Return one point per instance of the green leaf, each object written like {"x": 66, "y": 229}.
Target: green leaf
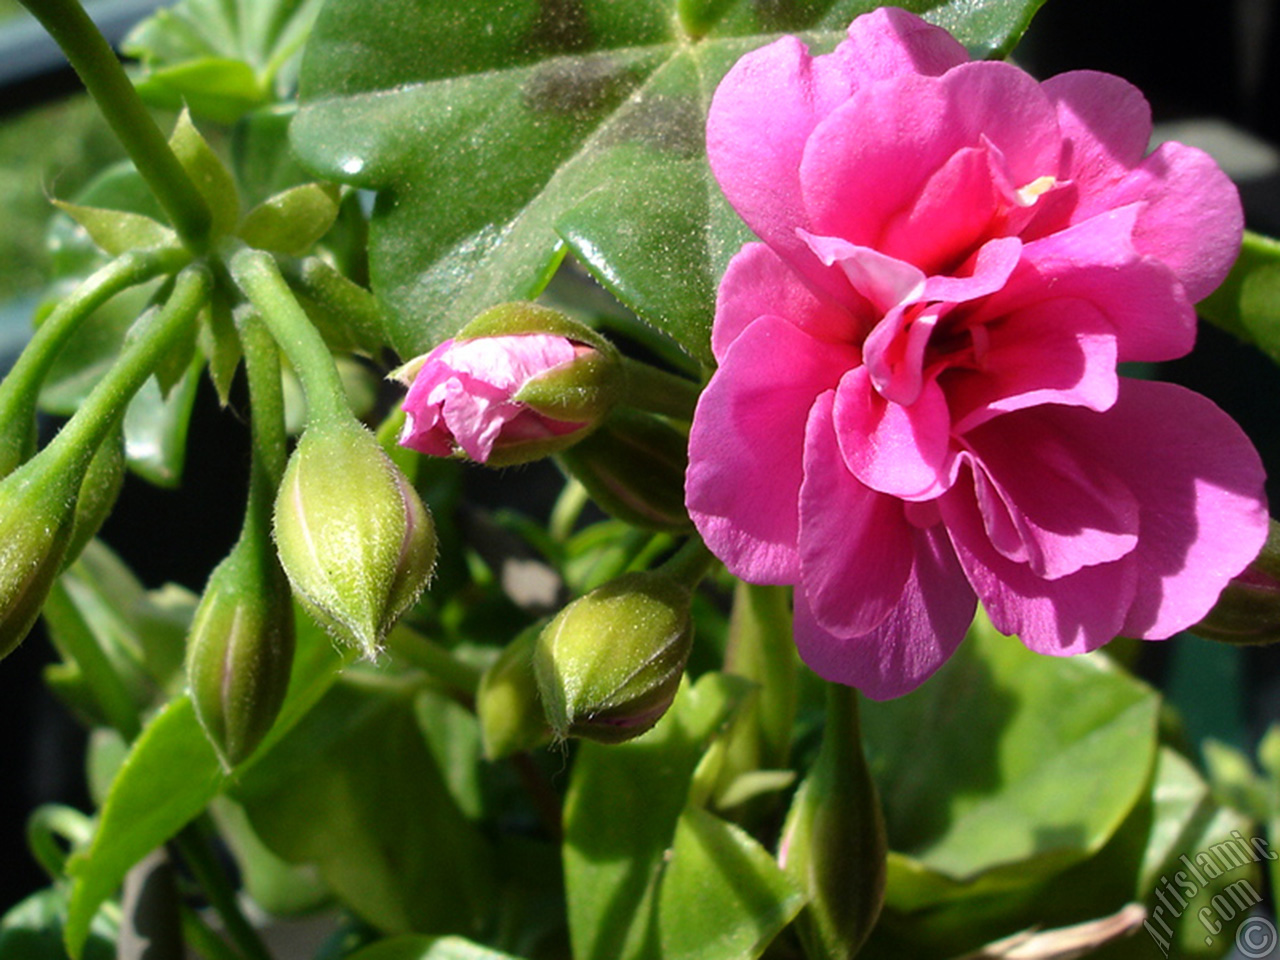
{"x": 208, "y": 173}
{"x": 620, "y": 816}
{"x": 32, "y": 930}
{"x": 156, "y": 426}
{"x": 216, "y": 88}
{"x": 281, "y": 889}
{"x": 496, "y": 134}
{"x": 985, "y": 777}
{"x": 1247, "y": 304}
{"x": 170, "y": 775}
{"x": 221, "y": 58}
{"x": 117, "y": 231}
{"x": 428, "y": 948}
{"x": 354, "y": 791}
{"x": 723, "y": 896}
{"x": 292, "y": 221}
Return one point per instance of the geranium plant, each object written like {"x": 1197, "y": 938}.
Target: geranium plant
{"x": 811, "y": 314}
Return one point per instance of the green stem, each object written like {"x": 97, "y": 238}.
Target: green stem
{"x": 439, "y": 662}
{"x": 76, "y": 443}
{"x": 123, "y": 109}
{"x": 657, "y": 391}
{"x": 207, "y": 872}
{"x": 568, "y": 507}
{"x": 203, "y": 941}
{"x": 692, "y": 562}
{"x": 269, "y": 442}
{"x": 21, "y": 387}
{"x": 258, "y": 276}
{"x": 50, "y": 824}
{"x": 318, "y": 280}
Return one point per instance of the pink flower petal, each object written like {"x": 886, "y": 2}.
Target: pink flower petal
{"x": 1096, "y": 261}
{"x": 889, "y": 42}
{"x": 1074, "y": 614}
{"x": 1106, "y": 123}
{"x": 759, "y": 283}
{"x": 1200, "y": 486}
{"x": 848, "y": 534}
{"x": 902, "y": 451}
{"x": 746, "y": 446}
{"x": 1190, "y": 219}
{"x": 952, "y": 215}
{"x": 1046, "y": 502}
{"x": 872, "y": 157}
{"x": 923, "y": 629}
{"x": 1057, "y": 351}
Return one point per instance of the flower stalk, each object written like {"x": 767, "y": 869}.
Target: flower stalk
{"x": 20, "y": 388}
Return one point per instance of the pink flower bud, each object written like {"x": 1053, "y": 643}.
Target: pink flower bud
{"x": 519, "y": 382}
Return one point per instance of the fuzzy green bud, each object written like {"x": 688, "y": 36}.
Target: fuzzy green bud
{"x": 1248, "y": 611}
{"x": 507, "y": 704}
{"x": 37, "y": 514}
{"x": 353, "y": 536}
{"x": 240, "y": 650}
{"x": 633, "y": 466}
{"x": 833, "y": 842}
{"x": 609, "y": 664}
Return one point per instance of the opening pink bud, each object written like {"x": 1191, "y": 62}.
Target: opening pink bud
{"x": 466, "y": 395}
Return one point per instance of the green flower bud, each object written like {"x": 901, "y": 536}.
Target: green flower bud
{"x": 353, "y": 536}
{"x": 1248, "y": 611}
{"x": 833, "y": 841}
{"x": 240, "y": 650}
{"x": 633, "y": 466}
{"x": 37, "y": 514}
{"x": 609, "y": 664}
{"x": 507, "y": 705}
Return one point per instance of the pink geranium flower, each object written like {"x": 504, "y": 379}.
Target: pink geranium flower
{"x": 917, "y": 403}
{"x": 464, "y": 395}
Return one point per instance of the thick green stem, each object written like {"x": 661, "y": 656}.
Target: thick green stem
{"x": 21, "y": 387}
{"x": 120, "y": 104}
{"x": 76, "y": 443}
{"x": 438, "y": 662}
{"x": 657, "y": 391}
{"x": 193, "y": 847}
{"x": 258, "y": 276}
{"x": 690, "y": 564}
{"x": 266, "y": 398}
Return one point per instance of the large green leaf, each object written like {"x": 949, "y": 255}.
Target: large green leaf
{"x": 723, "y": 896}
{"x": 355, "y": 791}
{"x": 1006, "y": 767}
{"x": 496, "y": 134}
{"x": 624, "y": 804}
